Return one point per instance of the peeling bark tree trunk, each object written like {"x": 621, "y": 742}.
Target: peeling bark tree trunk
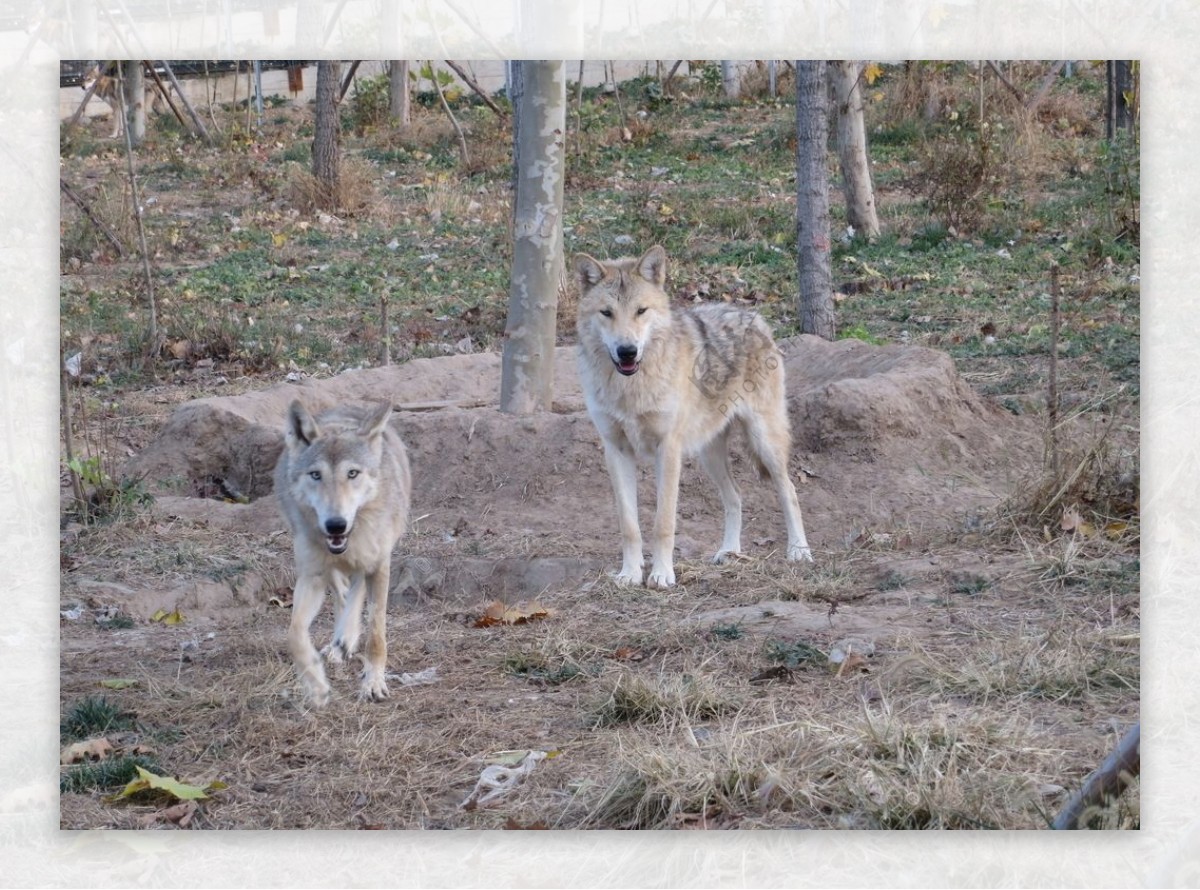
{"x": 812, "y": 201}
{"x": 527, "y": 366}
{"x": 852, "y": 149}
{"x": 398, "y": 98}
{"x": 325, "y": 150}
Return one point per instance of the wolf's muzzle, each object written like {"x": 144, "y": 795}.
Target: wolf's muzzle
{"x": 627, "y": 359}
{"x": 337, "y": 534}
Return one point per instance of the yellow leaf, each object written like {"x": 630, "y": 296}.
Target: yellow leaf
{"x": 872, "y": 73}
{"x": 1115, "y": 529}
{"x": 149, "y": 781}
{"x": 278, "y": 239}
{"x": 117, "y": 683}
{"x": 166, "y": 617}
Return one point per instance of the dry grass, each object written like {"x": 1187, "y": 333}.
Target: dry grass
{"x": 982, "y": 724}
{"x": 352, "y": 194}
{"x": 109, "y": 200}
{"x": 1092, "y": 478}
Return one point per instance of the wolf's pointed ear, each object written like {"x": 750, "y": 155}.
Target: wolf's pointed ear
{"x": 376, "y": 422}
{"x": 653, "y": 265}
{"x": 301, "y": 426}
{"x": 588, "y": 271}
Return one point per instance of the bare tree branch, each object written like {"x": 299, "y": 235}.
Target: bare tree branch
{"x": 348, "y": 79}
{"x": 1004, "y": 80}
{"x": 186, "y": 104}
{"x": 462, "y": 140}
{"x": 100, "y": 225}
{"x": 1044, "y": 89}
{"x": 475, "y": 87}
{"x": 1109, "y": 780}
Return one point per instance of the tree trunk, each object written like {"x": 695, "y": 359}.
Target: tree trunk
{"x": 527, "y": 366}
{"x": 1119, "y": 112}
{"x": 135, "y": 101}
{"x": 852, "y": 149}
{"x": 812, "y": 201}
{"x": 325, "y": 150}
{"x": 516, "y": 90}
{"x": 398, "y": 96}
{"x": 729, "y": 79}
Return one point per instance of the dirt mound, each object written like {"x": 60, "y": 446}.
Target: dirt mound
{"x": 884, "y": 435}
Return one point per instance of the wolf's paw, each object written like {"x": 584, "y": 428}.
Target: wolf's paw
{"x": 661, "y": 577}
{"x": 727, "y": 556}
{"x": 373, "y": 688}
{"x": 628, "y": 576}
{"x": 799, "y": 553}
{"x": 316, "y": 691}
{"x": 337, "y": 652}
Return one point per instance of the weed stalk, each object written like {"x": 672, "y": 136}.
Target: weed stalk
{"x": 1052, "y": 395}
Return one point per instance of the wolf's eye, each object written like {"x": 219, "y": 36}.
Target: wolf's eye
{"x": 641, "y": 309}
{"x": 315, "y": 475}
{"x": 607, "y": 313}
{"x": 351, "y": 474}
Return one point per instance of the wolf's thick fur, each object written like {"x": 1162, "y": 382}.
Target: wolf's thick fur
{"x": 663, "y": 384}
{"x": 343, "y": 484}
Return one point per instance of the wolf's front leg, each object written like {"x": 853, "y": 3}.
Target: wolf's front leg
{"x": 374, "y": 686}
{"x": 306, "y": 603}
{"x": 662, "y": 551}
{"x": 622, "y": 471}
{"x": 347, "y": 610}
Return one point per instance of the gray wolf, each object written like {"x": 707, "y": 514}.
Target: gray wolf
{"x": 343, "y": 485}
{"x": 106, "y": 89}
{"x": 662, "y": 384}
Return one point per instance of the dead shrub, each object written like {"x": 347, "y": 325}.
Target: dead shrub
{"x": 1096, "y": 478}
{"x": 352, "y": 194}
{"x": 963, "y": 172}
{"x": 109, "y": 202}
{"x": 636, "y": 699}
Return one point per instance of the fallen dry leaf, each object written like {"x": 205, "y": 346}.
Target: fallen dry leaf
{"x": 520, "y": 613}
{"x": 91, "y": 749}
{"x": 180, "y": 814}
{"x": 853, "y": 664}
{"x": 1073, "y": 522}
{"x": 629, "y": 653}
{"x": 779, "y": 672}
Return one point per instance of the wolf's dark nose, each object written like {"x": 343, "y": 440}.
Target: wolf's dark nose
{"x": 626, "y": 353}
{"x": 335, "y": 525}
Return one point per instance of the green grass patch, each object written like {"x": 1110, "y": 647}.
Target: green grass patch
{"x": 92, "y": 716}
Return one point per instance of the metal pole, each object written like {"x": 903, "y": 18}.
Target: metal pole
{"x": 258, "y": 97}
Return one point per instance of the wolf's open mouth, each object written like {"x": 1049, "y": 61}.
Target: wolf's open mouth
{"x": 629, "y": 367}
{"x": 337, "y": 543}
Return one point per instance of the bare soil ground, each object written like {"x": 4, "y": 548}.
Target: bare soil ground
{"x": 987, "y": 685}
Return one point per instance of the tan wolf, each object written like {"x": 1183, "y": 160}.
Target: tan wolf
{"x": 343, "y": 484}
{"x": 106, "y": 89}
{"x": 662, "y": 384}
